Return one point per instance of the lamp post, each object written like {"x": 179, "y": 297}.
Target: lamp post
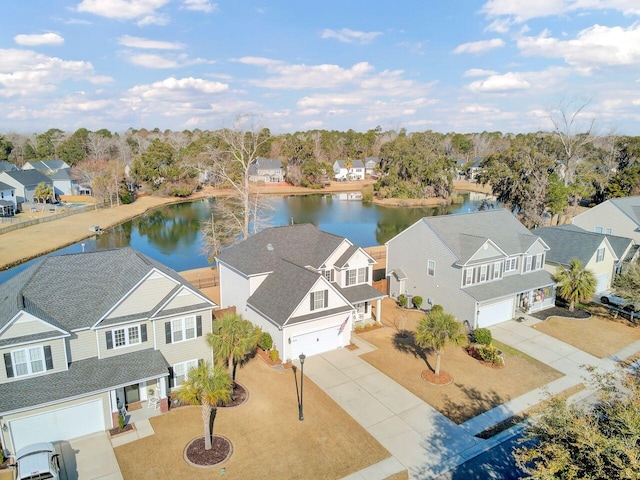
{"x": 302, "y": 357}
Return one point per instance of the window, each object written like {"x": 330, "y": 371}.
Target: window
{"x": 319, "y": 299}
{"x": 511, "y": 264}
{"x": 528, "y": 263}
{"x": 328, "y": 274}
{"x": 539, "y": 262}
{"x": 126, "y": 336}
{"x": 183, "y": 329}
{"x": 497, "y": 273}
{"x": 357, "y": 275}
{"x": 28, "y": 361}
{"x": 431, "y": 268}
{"x": 600, "y": 255}
{"x": 607, "y": 231}
{"x": 598, "y": 229}
{"x": 181, "y": 370}
{"x": 483, "y": 273}
{"x": 468, "y": 276}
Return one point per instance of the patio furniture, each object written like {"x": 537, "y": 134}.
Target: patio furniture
{"x": 154, "y": 402}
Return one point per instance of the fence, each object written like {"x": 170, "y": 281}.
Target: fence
{"x": 8, "y": 224}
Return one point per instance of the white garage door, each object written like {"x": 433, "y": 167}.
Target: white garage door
{"x": 316, "y": 342}
{"x": 602, "y": 282}
{"x": 494, "y": 313}
{"x": 56, "y": 425}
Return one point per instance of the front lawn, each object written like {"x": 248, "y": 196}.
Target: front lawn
{"x": 476, "y": 388}
{"x": 599, "y": 335}
{"x": 268, "y": 439}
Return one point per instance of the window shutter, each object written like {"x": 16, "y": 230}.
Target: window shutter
{"x": 167, "y": 332}
{"x": 172, "y": 378}
{"x": 143, "y": 332}
{"x": 326, "y": 298}
{"x": 198, "y": 325}
{"x": 48, "y": 359}
{"x": 311, "y": 295}
{"x": 109, "y": 338}
{"x": 366, "y": 275}
{"x": 8, "y": 365}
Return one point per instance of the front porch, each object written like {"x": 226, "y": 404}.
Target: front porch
{"x": 139, "y": 401}
{"x": 536, "y": 299}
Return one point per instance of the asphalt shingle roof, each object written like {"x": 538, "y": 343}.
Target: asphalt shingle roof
{"x": 464, "y": 233}
{"x": 29, "y": 178}
{"x": 4, "y": 186}
{"x": 6, "y": 166}
{"x": 510, "y": 285}
{"x": 83, "y": 377}
{"x": 567, "y": 244}
{"x": 619, "y": 244}
{"x": 360, "y": 293}
{"x": 302, "y": 244}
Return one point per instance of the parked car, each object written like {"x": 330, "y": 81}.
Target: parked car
{"x": 609, "y": 298}
{"x": 37, "y": 462}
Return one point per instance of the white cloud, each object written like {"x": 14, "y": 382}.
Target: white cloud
{"x": 520, "y": 11}
{"x": 313, "y": 124}
{"x": 24, "y": 72}
{"x": 593, "y": 47}
{"x": 200, "y": 6}
{"x": 475, "y": 108}
{"x": 298, "y": 77}
{"x": 146, "y": 43}
{"x": 258, "y": 61}
{"x": 500, "y": 83}
{"x": 149, "y": 60}
{"x": 478, "y": 72}
{"x": 35, "y": 40}
{"x": 479, "y": 46}
{"x": 346, "y": 35}
{"x": 144, "y": 11}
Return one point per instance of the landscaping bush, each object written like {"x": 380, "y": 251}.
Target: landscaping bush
{"x": 266, "y": 342}
{"x": 437, "y": 309}
{"x": 274, "y": 355}
{"x": 483, "y": 336}
{"x": 417, "y": 301}
{"x": 490, "y": 354}
{"x": 120, "y": 421}
{"x": 402, "y": 301}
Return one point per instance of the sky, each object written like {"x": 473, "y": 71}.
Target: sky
{"x": 444, "y": 65}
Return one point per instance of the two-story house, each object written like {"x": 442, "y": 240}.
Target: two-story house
{"x": 84, "y": 335}
{"x": 267, "y": 170}
{"x": 344, "y": 170}
{"x": 8, "y": 201}
{"x": 24, "y": 182}
{"x": 616, "y": 216}
{"x": 481, "y": 267}
{"x": 306, "y": 287}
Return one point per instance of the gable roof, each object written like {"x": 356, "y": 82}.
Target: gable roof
{"x": 62, "y": 174}
{"x": 7, "y": 166}
{"x": 302, "y": 244}
{"x": 76, "y": 290}
{"x": 465, "y": 233}
{"x": 619, "y": 244}
{"x": 354, "y": 163}
{"x": 629, "y": 206}
{"x": 4, "y": 186}
{"x": 567, "y": 244}
{"x": 49, "y": 166}
{"x": 268, "y": 163}
{"x": 28, "y": 178}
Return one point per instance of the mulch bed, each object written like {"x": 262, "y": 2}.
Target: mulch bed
{"x": 472, "y": 352}
{"x": 431, "y": 378}
{"x": 238, "y": 397}
{"x": 196, "y": 455}
{"x": 116, "y": 431}
{"x": 264, "y": 355}
{"x": 556, "y": 311}
{"x": 351, "y": 346}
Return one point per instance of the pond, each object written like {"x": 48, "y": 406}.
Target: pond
{"x": 171, "y": 234}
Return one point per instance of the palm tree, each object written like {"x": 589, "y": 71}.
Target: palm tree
{"x": 232, "y": 339}
{"x": 438, "y": 329}
{"x": 206, "y": 385}
{"x": 43, "y": 191}
{"x": 576, "y": 283}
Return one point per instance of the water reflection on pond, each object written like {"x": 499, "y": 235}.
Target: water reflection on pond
{"x": 171, "y": 235}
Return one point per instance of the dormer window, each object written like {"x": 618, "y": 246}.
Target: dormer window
{"x": 356, "y": 276}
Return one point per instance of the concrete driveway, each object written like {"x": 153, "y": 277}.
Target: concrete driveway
{"x": 87, "y": 458}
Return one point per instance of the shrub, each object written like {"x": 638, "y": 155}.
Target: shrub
{"x": 437, "y": 309}
{"x": 483, "y": 336}
{"x": 367, "y": 194}
{"x": 266, "y": 342}
{"x": 274, "y": 355}
{"x": 402, "y": 301}
{"x": 417, "y": 301}
{"x": 490, "y": 354}
{"x": 120, "y": 421}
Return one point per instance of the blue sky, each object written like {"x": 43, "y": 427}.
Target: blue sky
{"x": 463, "y": 66}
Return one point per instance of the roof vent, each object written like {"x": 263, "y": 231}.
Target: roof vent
{"x": 269, "y": 247}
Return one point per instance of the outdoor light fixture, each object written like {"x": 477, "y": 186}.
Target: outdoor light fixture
{"x": 300, "y": 413}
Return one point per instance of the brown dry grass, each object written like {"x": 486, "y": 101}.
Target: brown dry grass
{"x": 476, "y": 388}
{"x": 268, "y": 439}
{"x": 600, "y": 336}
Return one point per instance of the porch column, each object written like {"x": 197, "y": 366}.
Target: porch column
{"x": 379, "y": 310}
{"x": 164, "y": 401}
{"x": 114, "y": 408}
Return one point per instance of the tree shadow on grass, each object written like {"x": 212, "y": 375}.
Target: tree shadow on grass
{"x": 472, "y": 403}
{"x": 404, "y": 342}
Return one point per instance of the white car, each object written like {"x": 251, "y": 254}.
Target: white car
{"x": 37, "y": 462}
{"x": 609, "y": 298}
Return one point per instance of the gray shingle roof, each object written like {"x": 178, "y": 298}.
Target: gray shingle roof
{"x": 33, "y": 338}
{"x": 84, "y": 377}
{"x": 360, "y": 293}
{"x": 316, "y": 315}
{"x": 29, "y": 178}
{"x": 510, "y": 285}
{"x": 567, "y": 244}
{"x": 619, "y": 244}
{"x": 354, "y": 163}
{"x": 301, "y": 244}
{"x": 346, "y": 256}
{"x": 74, "y": 291}
{"x": 268, "y": 163}
{"x": 49, "y": 166}
{"x": 62, "y": 174}
{"x": 281, "y": 292}
{"x": 4, "y": 186}
{"x": 6, "y": 166}
{"x": 464, "y": 233}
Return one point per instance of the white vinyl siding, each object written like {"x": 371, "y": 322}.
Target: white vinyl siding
{"x": 181, "y": 370}
{"x": 511, "y": 264}
{"x": 431, "y": 268}
{"x": 482, "y": 274}
{"x": 183, "y": 329}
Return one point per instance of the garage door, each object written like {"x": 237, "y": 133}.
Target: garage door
{"x": 56, "y": 425}
{"x": 316, "y": 342}
{"x": 494, "y": 313}
{"x": 602, "y": 282}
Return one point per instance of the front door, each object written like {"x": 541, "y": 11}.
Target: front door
{"x": 132, "y": 393}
